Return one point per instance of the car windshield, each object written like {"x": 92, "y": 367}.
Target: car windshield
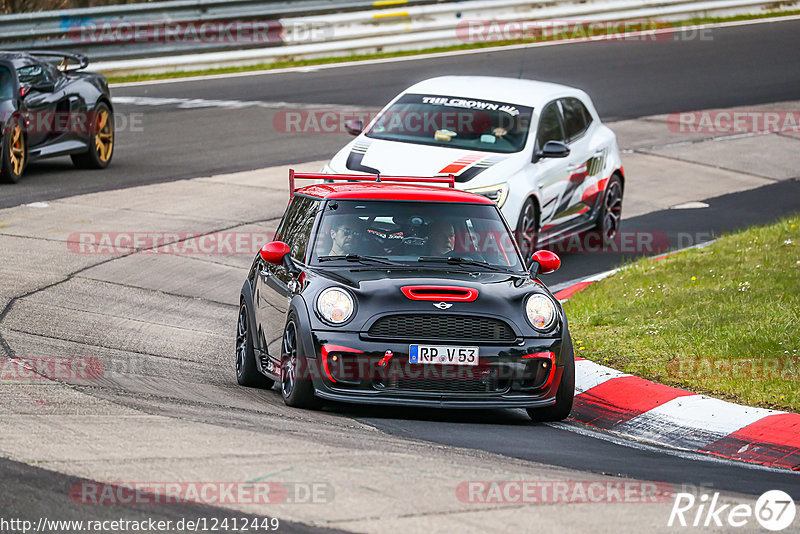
{"x": 463, "y": 123}
{"x": 470, "y": 236}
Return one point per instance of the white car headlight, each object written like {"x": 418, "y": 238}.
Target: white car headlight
{"x": 541, "y": 311}
{"x": 335, "y": 305}
{"x": 498, "y": 193}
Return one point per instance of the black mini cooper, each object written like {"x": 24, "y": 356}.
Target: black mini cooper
{"x": 390, "y": 291}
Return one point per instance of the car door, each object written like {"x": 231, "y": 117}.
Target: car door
{"x": 40, "y": 101}
{"x": 275, "y": 287}
{"x": 570, "y": 209}
{"x": 551, "y": 173}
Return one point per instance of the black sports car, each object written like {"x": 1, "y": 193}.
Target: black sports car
{"x": 384, "y": 292}
{"x": 49, "y": 110}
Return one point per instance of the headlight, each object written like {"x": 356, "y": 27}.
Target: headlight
{"x": 497, "y": 193}
{"x": 335, "y": 305}
{"x": 541, "y": 311}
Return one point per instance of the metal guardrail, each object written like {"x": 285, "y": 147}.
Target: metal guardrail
{"x": 66, "y": 29}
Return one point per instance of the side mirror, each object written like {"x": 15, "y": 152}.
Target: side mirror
{"x": 544, "y": 262}
{"x": 274, "y": 252}
{"x": 552, "y": 149}
{"x": 279, "y": 253}
{"x": 354, "y": 126}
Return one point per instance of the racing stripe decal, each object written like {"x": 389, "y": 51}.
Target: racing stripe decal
{"x": 479, "y": 164}
{"x": 357, "y": 155}
{"x": 460, "y": 164}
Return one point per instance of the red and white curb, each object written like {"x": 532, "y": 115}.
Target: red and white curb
{"x": 627, "y": 405}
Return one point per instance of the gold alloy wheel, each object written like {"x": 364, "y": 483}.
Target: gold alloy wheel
{"x": 104, "y": 138}
{"x": 17, "y": 150}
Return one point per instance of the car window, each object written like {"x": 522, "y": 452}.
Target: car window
{"x": 33, "y": 74}
{"x": 6, "y": 84}
{"x": 576, "y": 117}
{"x": 454, "y": 122}
{"x": 295, "y": 228}
{"x": 550, "y": 125}
{"x": 404, "y": 231}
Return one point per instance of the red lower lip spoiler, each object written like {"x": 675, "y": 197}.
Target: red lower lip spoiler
{"x": 550, "y": 357}
{"x": 327, "y": 349}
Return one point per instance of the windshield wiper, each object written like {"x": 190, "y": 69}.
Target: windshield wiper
{"x": 457, "y": 260}
{"x": 357, "y": 258}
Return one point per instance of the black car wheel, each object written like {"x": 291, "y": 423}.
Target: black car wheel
{"x": 15, "y": 154}
{"x": 296, "y": 385}
{"x": 565, "y": 394}
{"x": 246, "y": 372}
{"x": 610, "y": 217}
{"x": 101, "y": 141}
{"x": 528, "y": 228}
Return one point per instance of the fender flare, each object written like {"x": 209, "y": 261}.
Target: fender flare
{"x": 300, "y": 309}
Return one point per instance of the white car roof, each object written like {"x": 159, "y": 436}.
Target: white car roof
{"x": 530, "y": 93}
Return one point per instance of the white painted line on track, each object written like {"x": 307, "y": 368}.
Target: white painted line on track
{"x": 196, "y": 103}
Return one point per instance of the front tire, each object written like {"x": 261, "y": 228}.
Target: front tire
{"x": 297, "y": 388}
{"x": 610, "y": 217}
{"x": 528, "y": 228}
{"x": 101, "y": 141}
{"x": 247, "y": 374}
{"x": 15, "y": 154}
{"x": 565, "y": 394}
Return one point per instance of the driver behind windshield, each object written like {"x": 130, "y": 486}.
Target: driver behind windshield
{"x": 441, "y": 238}
{"x": 345, "y": 234}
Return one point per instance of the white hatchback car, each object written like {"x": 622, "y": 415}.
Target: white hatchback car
{"x": 537, "y": 149}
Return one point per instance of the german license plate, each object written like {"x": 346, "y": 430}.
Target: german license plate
{"x": 443, "y": 355}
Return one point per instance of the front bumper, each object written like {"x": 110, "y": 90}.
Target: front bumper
{"x": 349, "y": 368}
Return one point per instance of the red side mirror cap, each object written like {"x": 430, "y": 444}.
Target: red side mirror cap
{"x": 549, "y": 262}
{"x": 274, "y": 252}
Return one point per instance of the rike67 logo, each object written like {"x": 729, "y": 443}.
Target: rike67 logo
{"x": 774, "y": 510}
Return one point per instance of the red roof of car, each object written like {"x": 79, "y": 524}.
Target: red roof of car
{"x": 390, "y": 191}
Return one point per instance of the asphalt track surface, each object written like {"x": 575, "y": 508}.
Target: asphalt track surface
{"x": 29, "y": 493}
{"x": 626, "y": 80}
{"x": 738, "y": 66}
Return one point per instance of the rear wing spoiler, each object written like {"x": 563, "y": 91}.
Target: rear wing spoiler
{"x": 81, "y": 60}
{"x": 376, "y": 178}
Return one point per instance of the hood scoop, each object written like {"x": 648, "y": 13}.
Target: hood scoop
{"x": 440, "y": 293}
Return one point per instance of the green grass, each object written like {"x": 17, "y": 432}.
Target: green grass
{"x": 383, "y": 55}
{"x": 722, "y": 320}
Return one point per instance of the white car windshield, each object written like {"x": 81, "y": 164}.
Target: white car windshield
{"x": 472, "y": 124}
{"x": 416, "y": 233}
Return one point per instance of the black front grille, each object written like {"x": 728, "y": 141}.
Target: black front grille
{"x": 437, "y": 379}
{"x": 442, "y": 327}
